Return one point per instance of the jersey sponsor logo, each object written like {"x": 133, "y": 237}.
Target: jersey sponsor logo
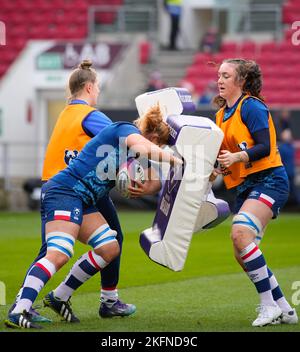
{"x": 225, "y": 171}
{"x": 62, "y": 215}
{"x": 70, "y": 155}
{"x": 266, "y": 199}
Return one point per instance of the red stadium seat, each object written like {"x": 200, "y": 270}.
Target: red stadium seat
{"x": 202, "y": 58}
{"x": 107, "y": 17}
{"x": 3, "y": 68}
{"x": 248, "y": 48}
{"x": 219, "y": 57}
{"x": 290, "y": 14}
{"x": 279, "y": 62}
{"x": 7, "y": 5}
{"x": 268, "y": 47}
{"x": 7, "y": 56}
{"x": 25, "y": 5}
{"x": 229, "y": 47}
{"x": 287, "y": 47}
{"x": 46, "y": 19}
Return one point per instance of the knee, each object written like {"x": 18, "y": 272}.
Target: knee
{"x": 59, "y": 248}
{"x": 57, "y": 258}
{"x": 245, "y": 229}
{"x": 104, "y": 242}
{"x": 237, "y": 235}
{"x": 109, "y": 251}
{"x": 114, "y": 251}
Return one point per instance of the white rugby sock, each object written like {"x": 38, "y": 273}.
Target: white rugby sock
{"x": 109, "y": 296}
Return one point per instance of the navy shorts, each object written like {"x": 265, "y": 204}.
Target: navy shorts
{"x": 269, "y": 186}
{"x": 60, "y": 203}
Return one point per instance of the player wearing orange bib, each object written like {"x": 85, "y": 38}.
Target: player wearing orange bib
{"x": 250, "y": 162}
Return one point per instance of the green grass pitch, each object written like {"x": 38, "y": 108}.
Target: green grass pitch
{"x": 209, "y": 294}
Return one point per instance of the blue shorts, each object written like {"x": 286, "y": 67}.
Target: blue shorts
{"x": 269, "y": 186}
{"x": 61, "y": 203}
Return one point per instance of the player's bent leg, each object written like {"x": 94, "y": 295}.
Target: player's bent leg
{"x": 37, "y": 277}
{"x": 111, "y": 308}
{"x": 246, "y": 228}
{"x": 36, "y": 317}
{"x": 62, "y": 243}
{"x": 59, "y": 250}
{"x": 105, "y": 248}
{"x": 111, "y": 305}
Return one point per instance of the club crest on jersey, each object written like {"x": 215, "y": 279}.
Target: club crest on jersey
{"x": 76, "y": 212}
{"x": 70, "y": 155}
{"x": 242, "y": 146}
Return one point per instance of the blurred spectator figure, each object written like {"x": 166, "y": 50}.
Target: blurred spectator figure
{"x": 210, "y": 42}
{"x": 284, "y": 120}
{"x": 174, "y": 9}
{"x": 287, "y": 153}
{"x": 156, "y": 82}
{"x": 208, "y": 94}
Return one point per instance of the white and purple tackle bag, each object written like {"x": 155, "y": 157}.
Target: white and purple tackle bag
{"x": 187, "y": 204}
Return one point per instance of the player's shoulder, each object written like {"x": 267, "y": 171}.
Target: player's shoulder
{"x": 252, "y": 103}
{"x": 99, "y": 114}
{"x": 119, "y": 128}
{"x": 124, "y": 125}
{"x": 254, "y": 113}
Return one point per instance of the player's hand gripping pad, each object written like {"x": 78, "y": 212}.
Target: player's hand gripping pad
{"x": 187, "y": 204}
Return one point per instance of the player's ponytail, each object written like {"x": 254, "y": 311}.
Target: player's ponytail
{"x": 253, "y": 81}
{"x": 83, "y": 74}
{"x": 152, "y": 122}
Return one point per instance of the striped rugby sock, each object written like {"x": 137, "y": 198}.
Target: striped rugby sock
{"x": 86, "y": 266}
{"x": 277, "y": 293}
{"x": 257, "y": 271}
{"x": 109, "y": 296}
{"x": 37, "y": 277}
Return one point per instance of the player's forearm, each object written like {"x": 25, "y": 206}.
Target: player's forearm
{"x": 241, "y": 157}
{"x": 153, "y": 152}
{"x": 153, "y": 186}
{"x": 145, "y": 148}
